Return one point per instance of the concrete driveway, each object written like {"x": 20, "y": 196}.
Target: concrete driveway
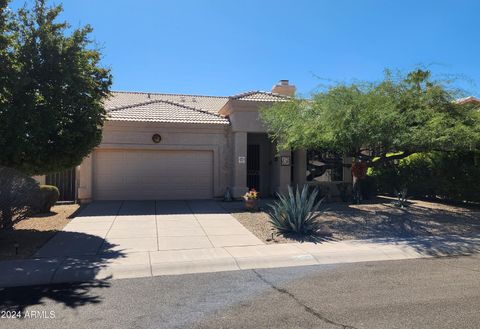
{"x": 139, "y": 226}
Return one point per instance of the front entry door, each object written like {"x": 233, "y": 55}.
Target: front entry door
{"x": 253, "y": 166}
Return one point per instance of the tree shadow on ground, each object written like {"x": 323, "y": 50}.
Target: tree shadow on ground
{"x": 78, "y": 212}
{"x": 23, "y": 243}
{"x": 37, "y": 215}
{"x": 74, "y": 263}
{"x": 238, "y": 207}
{"x": 71, "y": 295}
{"x": 313, "y": 237}
{"x": 431, "y": 229}
{"x": 396, "y": 222}
{"x": 449, "y": 245}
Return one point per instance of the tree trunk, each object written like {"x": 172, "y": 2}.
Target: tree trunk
{"x": 359, "y": 170}
{"x": 356, "y": 189}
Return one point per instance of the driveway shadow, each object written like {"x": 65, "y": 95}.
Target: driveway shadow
{"x": 205, "y": 207}
{"x": 98, "y": 208}
{"x": 173, "y": 207}
{"x": 67, "y": 275}
{"x": 71, "y": 295}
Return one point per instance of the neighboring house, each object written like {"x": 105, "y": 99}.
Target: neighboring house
{"x": 469, "y": 100}
{"x": 172, "y": 146}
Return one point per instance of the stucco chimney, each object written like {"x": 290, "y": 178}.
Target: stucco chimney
{"x": 284, "y": 88}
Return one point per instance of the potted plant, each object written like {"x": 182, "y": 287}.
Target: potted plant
{"x": 251, "y": 199}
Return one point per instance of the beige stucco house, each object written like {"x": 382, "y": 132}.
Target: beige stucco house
{"x": 171, "y": 146}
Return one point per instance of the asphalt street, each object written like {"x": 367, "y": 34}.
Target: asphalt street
{"x": 422, "y": 293}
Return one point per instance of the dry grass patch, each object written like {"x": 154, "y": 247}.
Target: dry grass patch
{"x": 33, "y": 232}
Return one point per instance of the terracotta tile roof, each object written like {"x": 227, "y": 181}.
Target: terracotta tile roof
{"x": 156, "y": 107}
{"x": 469, "y": 99}
{"x": 164, "y": 111}
{"x": 210, "y": 104}
{"x": 260, "y": 96}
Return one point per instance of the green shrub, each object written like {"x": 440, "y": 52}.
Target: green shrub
{"x": 368, "y": 188}
{"x": 48, "y": 196}
{"x": 453, "y": 176}
{"x": 18, "y": 194}
{"x": 296, "y": 212}
{"x": 386, "y": 178}
{"x": 345, "y": 191}
{"x": 458, "y": 176}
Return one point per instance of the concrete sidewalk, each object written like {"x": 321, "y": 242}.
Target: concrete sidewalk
{"x": 169, "y": 262}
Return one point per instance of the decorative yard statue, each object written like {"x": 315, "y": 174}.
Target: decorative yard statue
{"x": 227, "y": 197}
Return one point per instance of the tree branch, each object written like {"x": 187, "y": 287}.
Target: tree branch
{"x": 384, "y": 158}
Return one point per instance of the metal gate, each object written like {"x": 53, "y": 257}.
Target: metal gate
{"x": 65, "y": 182}
{"x": 253, "y": 167}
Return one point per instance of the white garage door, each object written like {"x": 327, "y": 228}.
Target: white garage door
{"x": 159, "y": 175}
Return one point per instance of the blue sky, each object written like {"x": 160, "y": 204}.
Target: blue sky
{"x": 220, "y": 47}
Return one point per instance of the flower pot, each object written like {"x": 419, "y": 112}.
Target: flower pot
{"x": 251, "y": 204}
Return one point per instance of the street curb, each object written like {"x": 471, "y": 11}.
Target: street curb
{"x": 40, "y": 271}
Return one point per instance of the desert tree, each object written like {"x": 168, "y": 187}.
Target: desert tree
{"x": 52, "y": 88}
{"x": 376, "y": 123}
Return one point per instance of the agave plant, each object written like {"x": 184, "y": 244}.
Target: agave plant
{"x": 297, "y": 212}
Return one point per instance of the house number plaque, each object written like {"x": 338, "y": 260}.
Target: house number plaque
{"x": 285, "y": 161}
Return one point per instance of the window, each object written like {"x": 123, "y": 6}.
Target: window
{"x": 324, "y": 166}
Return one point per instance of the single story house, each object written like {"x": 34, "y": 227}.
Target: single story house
{"x": 175, "y": 146}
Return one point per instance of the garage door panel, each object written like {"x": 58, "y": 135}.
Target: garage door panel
{"x": 136, "y": 175}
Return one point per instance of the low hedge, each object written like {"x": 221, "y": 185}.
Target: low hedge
{"x": 48, "y": 196}
{"x": 453, "y": 176}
